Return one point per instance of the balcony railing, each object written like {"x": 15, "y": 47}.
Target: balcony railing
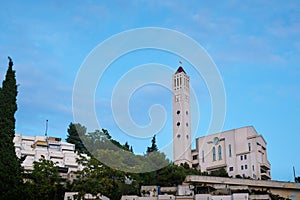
{"x": 265, "y": 165}
{"x": 265, "y": 176}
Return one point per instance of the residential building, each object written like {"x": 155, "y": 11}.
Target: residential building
{"x": 51, "y": 148}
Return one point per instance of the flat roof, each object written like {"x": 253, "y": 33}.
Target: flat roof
{"x": 238, "y": 181}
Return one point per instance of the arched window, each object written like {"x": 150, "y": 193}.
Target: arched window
{"x": 214, "y": 153}
{"x": 220, "y": 152}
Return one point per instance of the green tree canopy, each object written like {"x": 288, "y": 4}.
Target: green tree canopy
{"x": 75, "y": 131}
{"x": 96, "y": 178}
{"x": 109, "y": 151}
{"x": 220, "y": 172}
{"x": 45, "y": 183}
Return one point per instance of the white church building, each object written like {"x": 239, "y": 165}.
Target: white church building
{"x": 241, "y": 152}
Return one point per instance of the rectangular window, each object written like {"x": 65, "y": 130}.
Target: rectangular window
{"x": 245, "y": 157}
{"x": 195, "y": 157}
{"x": 246, "y": 166}
{"x": 230, "y": 154}
{"x": 241, "y": 157}
{"x": 253, "y": 167}
{"x": 249, "y": 146}
{"x": 242, "y": 167}
{"x": 203, "y": 156}
{"x": 231, "y": 169}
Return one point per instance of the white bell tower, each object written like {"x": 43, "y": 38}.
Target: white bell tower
{"x": 181, "y": 118}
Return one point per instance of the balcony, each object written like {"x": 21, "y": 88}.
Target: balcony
{"x": 70, "y": 163}
{"x": 28, "y": 167}
{"x": 265, "y": 173}
{"x": 28, "y": 152}
{"x": 40, "y": 143}
{"x": 54, "y": 154}
{"x": 195, "y": 161}
{"x": 265, "y": 176}
{"x": 265, "y": 165}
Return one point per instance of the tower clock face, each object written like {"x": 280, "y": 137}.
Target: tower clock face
{"x": 216, "y": 140}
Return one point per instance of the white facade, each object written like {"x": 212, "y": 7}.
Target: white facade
{"x": 236, "y": 196}
{"x": 181, "y": 118}
{"x": 51, "y": 148}
{"x": 71, "y": 196}
{"x": 240, "y": 151}
{"x": 185, "y": 192}
{"x": 226, "y": 186}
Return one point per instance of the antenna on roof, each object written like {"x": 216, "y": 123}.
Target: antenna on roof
{"x": 46, "y": 131}
{"x": 294, "y": 173}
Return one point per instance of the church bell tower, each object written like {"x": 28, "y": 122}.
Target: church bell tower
{"x": 181, "y": 117}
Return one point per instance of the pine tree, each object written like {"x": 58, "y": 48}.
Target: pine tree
{"x": 75, "y": 131}
{"x": 10, "y": 169}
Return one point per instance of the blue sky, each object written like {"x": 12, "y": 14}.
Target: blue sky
{"x": 255, "y": 45}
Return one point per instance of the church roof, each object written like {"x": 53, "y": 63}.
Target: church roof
{"x": 179, "y": 70}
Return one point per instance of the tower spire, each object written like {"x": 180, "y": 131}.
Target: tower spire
{"x": 180, "y": 69}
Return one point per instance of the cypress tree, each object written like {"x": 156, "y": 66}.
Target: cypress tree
{"x": 10, "y": 169}
{"x": 153, "y": 147}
